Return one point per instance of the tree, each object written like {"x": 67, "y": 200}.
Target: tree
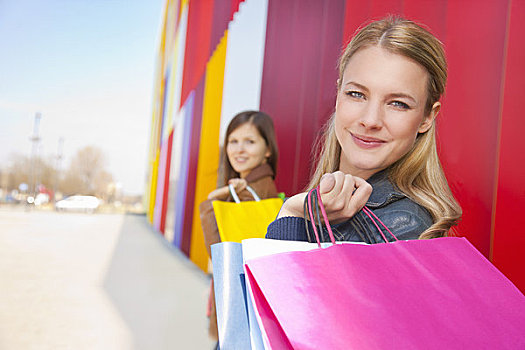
{"x": 87, "y": 174}
{"x": 19, "y": 171}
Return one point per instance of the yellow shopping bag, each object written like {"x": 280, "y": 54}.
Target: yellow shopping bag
{"x": 241, "y": 220}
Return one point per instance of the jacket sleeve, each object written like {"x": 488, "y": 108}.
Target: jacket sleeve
{"x": 209, "y": 225}
{"x": 288, "y": 228}
{"x": 404, "y": 218}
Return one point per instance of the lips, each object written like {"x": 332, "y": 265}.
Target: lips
{"x": 366, "y": 141}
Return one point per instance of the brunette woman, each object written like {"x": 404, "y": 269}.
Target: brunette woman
{"x": 249, "y": 158}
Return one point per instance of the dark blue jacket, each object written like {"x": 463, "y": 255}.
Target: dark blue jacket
{"x": 405, "y": 218}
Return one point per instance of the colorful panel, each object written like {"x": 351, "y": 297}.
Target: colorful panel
{"x": 200, "y": 16}
{"x": 186, "y": 233}
{"x": 430, "y": 13}
{"x": 234, "y": 7}
{"x": 508, "y": 251}
{"x": 469, "y": 118}
{"x": 298, "y": 75}
{"x": 244, "y": 61}
{"x": 154, "y": 150}
{"x": 185, "y": 126}
{"x": 175, "y": 177}
{"x": 221, "y": 18}
{"x": 160, "y": 185}
{"x": 178, "y": 57}
{"x": 165, "y": 190}
{"x": 209, "y": 148}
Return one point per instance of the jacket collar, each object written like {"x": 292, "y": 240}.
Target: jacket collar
{"x": 383, "y": 191}
{"x": 259, "y": 172}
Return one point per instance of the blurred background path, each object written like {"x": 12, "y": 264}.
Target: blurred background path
{"x": 102, "y": 281}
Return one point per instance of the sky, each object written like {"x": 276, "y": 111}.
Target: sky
{"x": 88, "y": 67}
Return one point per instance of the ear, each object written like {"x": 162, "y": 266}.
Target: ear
{"x": 268, "y": 153}
{"x": 429, "y": 119}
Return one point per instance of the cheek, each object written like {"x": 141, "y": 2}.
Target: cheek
{"x": 261, "y": 151}
{"x": 229, "y": 152}
{"x": 339, "y": 127}
{"x": 405, "y": 132}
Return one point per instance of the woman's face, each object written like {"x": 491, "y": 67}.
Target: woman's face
{"x": 380, "y": 110}
{"x": 246, "y": 149}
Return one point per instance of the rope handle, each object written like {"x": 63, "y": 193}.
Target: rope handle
{"x": 236, "y": 197}
{"x": 366, "y": 210}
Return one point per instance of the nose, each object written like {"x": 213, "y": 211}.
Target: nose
{"x": 240, "y": 147}
{"x": 372, "y": 116}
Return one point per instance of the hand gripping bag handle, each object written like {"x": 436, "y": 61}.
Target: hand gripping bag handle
{"x": 236, "y": 197}
{"x": 366, "y": 210}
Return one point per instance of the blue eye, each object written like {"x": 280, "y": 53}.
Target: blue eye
{"x": 400, "y": 104}
{"x": 355, "y": 94}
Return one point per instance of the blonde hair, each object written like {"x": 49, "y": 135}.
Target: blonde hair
{"x": 418, "y": 174}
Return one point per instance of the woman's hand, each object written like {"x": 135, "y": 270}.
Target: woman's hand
{"x": 238, "y": 184}
{"x": 223, "y": 192}
{"x": 343, "y": 195}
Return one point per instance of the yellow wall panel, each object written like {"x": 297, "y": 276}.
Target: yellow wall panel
{"x": 208, "y": 162}
{"x": 153, "y": 187}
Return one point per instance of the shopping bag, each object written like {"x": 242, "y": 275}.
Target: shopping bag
{"x": 257, "y": 247}
{"x": 230, "y": 296}
{"x": 249, "y": 219}
{"x": 423, "y": 294}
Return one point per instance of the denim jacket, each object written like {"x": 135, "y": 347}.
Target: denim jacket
{"x": 405, "y": 218}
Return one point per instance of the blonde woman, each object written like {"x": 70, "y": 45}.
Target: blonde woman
{"x": 379, "y": 146}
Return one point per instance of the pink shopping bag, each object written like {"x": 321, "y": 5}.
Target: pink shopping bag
{"x": 424, "y": 294}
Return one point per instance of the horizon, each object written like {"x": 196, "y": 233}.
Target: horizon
{"x": 88, "y": 68}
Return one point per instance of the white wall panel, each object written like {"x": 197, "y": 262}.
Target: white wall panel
{"x": 244, "y": 61}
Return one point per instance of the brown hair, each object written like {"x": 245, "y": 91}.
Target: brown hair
{"x": 419, "y": 173}
{"x": 264, "y": 124}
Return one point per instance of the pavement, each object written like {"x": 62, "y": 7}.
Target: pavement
{"x": 100, "y": 281}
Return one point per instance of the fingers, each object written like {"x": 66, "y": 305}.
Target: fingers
{"x": 359, "y": 197}
{"x": 238, "y": 184}
{"x": 242, "y": 185}
{"x": 343, "y": 195}
{"x": 336, "y": 198}
{"x": 327, "y": 183}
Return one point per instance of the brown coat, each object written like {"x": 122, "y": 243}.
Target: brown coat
{"x": 260, "y": 179}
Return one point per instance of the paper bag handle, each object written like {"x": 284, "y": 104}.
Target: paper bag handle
{"x": 236, "y": 197}
{"x": 365, "y": 209}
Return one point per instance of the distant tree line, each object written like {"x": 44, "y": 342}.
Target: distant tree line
{"x": 86, "y": 174}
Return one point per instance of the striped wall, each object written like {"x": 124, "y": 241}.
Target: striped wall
{"x": 218, "y": 57}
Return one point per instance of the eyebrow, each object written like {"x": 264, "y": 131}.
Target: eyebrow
{"x": 392, "y": 95}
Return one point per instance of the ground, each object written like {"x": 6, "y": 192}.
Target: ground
{"x": 100, "y": 281}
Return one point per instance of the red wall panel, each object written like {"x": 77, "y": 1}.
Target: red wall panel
{"x": 356, "y": 13}
{"x": 430, "y": 13}
{"x": 381, "y": 8}
{"x": 221, "y": 18}
{"x": 469, "y": 119}
{"x": 298, "y": 85}
{"x": 234, "y": 7}
{"x": 508, "y": 252}
{"x": 198, "y": 36}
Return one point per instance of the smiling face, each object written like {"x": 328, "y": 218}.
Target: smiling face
{"x": 380, "y": 110}
{"x": 246, "y": 149}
